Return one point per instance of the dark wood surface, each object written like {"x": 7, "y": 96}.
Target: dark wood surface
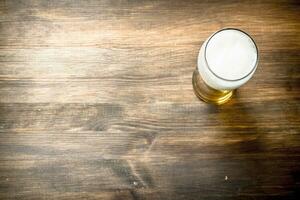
{"x": 96, "y": 102}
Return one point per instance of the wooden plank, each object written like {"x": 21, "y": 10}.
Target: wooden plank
{"x": 165, "y": 23}
{"x": 75, "y": 150}
{"x": 92, "y": 77}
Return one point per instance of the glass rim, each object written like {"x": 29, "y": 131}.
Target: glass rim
{"x": 235, "y": 29}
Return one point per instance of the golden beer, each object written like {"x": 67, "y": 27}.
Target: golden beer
{"x": 226, "y": 61}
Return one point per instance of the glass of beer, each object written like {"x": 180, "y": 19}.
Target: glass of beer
{"x": 226, "y": 61}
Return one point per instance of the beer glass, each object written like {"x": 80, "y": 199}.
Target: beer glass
{"x": 226, "y": 61}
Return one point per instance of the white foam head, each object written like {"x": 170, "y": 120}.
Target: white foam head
{"x": 227, "y": 59}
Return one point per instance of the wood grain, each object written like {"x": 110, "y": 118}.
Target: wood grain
{"x": 96, "y": 102}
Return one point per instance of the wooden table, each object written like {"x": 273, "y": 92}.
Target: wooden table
{"x": 96, "y": 102}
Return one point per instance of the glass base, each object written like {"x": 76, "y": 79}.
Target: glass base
{"x": 208, "y": 94}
